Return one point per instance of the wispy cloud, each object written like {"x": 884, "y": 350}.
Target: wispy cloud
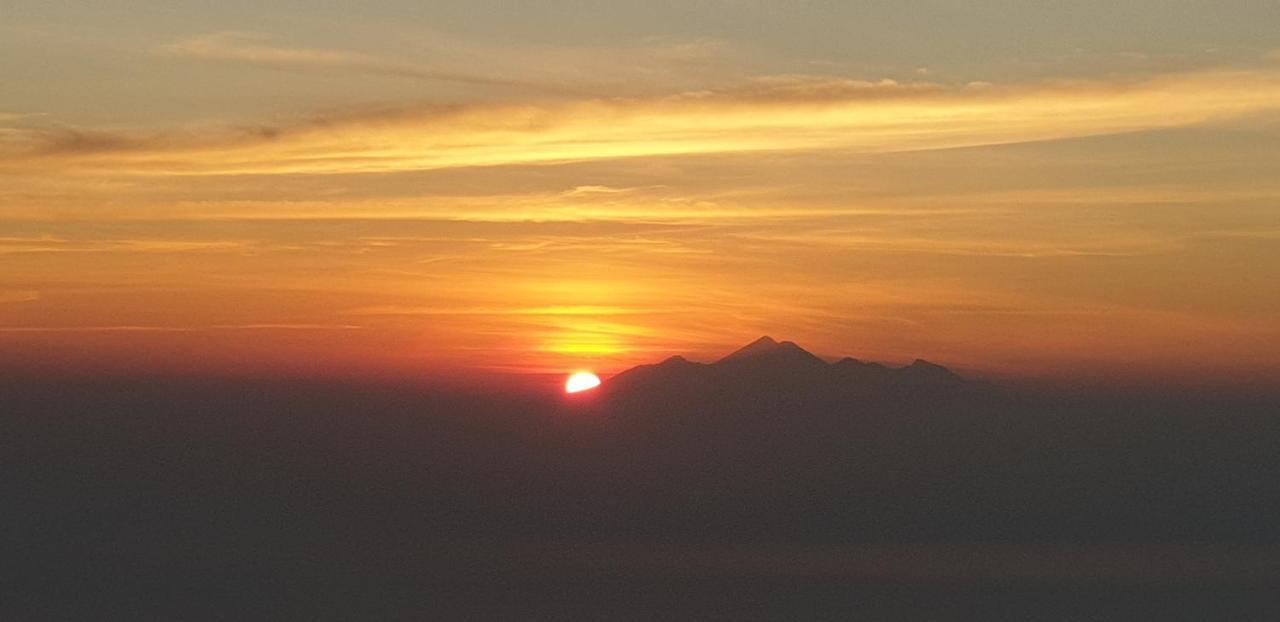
{"x": 53, "y": 244}
{"x": 787, "y": 114}
{"x": 131, "y": 328}
{"x": 950, "y": 243}
{"x": 19, "y": 296}
{"x": 7, "y": 117}
{"x": 256, "y": 49}
{"x": 562, "y": 310}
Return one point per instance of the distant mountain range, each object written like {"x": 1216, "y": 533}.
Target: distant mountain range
{"x": 782, "y": 369}
{"x": 769, "y": 469}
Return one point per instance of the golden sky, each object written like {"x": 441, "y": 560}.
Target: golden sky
{"x": 457, "y": 196}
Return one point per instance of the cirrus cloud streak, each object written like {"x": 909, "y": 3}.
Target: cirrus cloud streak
{"x": 795, "y": 113}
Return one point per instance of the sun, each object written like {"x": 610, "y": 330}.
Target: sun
{"x": 581, "y": 381}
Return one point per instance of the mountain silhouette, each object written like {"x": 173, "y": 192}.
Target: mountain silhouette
{"x": 781, "y": 370}
{"x": 766, "y": 349}
{"x": 770, "y": 475}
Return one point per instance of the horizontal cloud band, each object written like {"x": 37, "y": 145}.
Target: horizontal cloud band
{"x": 779, "y": 114}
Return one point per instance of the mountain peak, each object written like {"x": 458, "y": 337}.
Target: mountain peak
{"x": 849, "y": 362}
{"x": 921, "y": 368}
{"x": 766, "y": 348}
{"x": 780, "y": 368}
{"x": 759, "y": 346}
{"x": 923, "y": 364}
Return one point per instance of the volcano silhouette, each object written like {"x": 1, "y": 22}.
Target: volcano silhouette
{"x": 774, "y": 371}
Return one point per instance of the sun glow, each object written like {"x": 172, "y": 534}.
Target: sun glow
{"x": 581, "y": 381}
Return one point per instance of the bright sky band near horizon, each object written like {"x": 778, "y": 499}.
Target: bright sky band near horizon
{"x": 1034, "y": 190}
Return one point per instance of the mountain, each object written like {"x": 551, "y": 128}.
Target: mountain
{"x": 922, "y": 371}
{"x": 772, "y": 357}
{"x": 854, "y": 369}
{"x": 759, "y": 346}
{"x": 766, "y": 477}
{"x": 779, "y": 370}
{"x": 766, "y": 349}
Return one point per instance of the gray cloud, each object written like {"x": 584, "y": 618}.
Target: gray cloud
{"x": 258, "y": 50}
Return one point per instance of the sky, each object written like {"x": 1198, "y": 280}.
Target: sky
{"x": 1048, "y": 191}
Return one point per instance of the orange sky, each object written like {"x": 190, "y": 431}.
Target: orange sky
{"x": 1113, "y": 224}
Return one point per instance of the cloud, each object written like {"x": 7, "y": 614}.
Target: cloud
{"x": 561, "y": 310}
{"x": 258, "y": 50}
{"x": 779, "y": 114}
{"x": 52, "y": 244}
{"x": 19, "y": 296}
{"x": 950, "y": 243}
{"x": 815, "y": 88}
{"x": 6, "y": 117}
{"x": 59, "y": 140}
{"x": 132, "y": 328}
{"x": 123, "y": 328}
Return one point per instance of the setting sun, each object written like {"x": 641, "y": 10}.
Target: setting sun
{"x": 286, "y": 289}
{"x": 581, "y": 381}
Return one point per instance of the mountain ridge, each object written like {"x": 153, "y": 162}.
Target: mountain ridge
{"x": 770, "y": 366}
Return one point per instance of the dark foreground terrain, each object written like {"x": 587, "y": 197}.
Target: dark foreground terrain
{"x": 760, "y": 487}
